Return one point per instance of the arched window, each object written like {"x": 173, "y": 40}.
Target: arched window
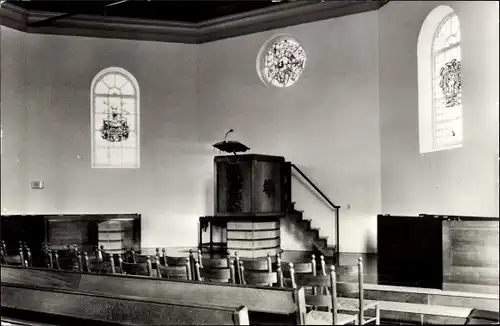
{"x": 115, "y": 119}
{"x": 440, "y": 81}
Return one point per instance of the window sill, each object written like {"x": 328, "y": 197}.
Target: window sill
{"x": 433, "y": 150}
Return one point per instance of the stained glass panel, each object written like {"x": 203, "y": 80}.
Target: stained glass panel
{"x": 447, "y": 84}
{"x": 284, "y": 62}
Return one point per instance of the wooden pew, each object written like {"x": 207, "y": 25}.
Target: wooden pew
{"x": 13, "y": 322}
{"x": 265, "y": 305}
{"x": 64, "y": 307}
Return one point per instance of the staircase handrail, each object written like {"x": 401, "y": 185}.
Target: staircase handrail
{"x": 315, "y": 187}
{"x": 335, "y": 207}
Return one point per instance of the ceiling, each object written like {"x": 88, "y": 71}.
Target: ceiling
{"x": 181, "y": 21}
{"x": 189, "y": 11}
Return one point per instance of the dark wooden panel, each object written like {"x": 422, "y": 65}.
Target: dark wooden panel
{"x": 26, "y": 228}
{"x": 115, "y": 310}
{"x": 474, "y": 236}
{"x": 249, "y": 185}
{"x": 234, "y": 187}
{"x": 268, "y": 187}
{"x": 288, "y": 303}
{"x": 480, "y": 256}
{"x": 61, "y": 230}
{"x": 470, "y": 252}
{"x": 410, "y": 251}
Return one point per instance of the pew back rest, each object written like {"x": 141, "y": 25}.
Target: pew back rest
{"x": 112, "y": 310}
{"x": 287, "y": 304}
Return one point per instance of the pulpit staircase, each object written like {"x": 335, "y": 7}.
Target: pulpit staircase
{"x": 311, "y": 235}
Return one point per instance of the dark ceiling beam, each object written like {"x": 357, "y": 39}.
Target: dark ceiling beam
{"x": 50, "y": 20}
{"x": 279, "y": 16}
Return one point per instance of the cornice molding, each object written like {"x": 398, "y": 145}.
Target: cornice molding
{"x": 274, "y": 17}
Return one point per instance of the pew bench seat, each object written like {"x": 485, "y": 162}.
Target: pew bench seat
{"x": 352, "y": 304}
{"x": 316, "y": 317}
{"x": 63, "y": 307}
{"x": 5, "y": 321}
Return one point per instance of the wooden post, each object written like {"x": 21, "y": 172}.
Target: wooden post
{"x": 79, "y": 262}
{"x": 242, "y": 271}
{"x": 231, "y": 271}
{"x": 112, "y": 263}
{"x": 279, "y": 271}
{"x": 120, "y": 262}
{"x": 58, "y": 266}
{"x": 158, "y": 270}
{"x": 30, "y": 261}
{"x": 51, "y": 261}
{"x": 21, "y": 255}
{"x": 361, "y": 296}
{"x": 313, "y": 266}
{"x": 164, "y": 254}
{"x": 87, "y": 263}
{"x": 150, "y": 268}
{"x": 333, "y": 280}
{"x": 292, "y": 275}
{"x": 200, "y": 258}
{"x": 189, "y": 271}
{"x": 239, "y": 270}
{"x": 269, "y": 266}
{"x": 197, "y": 272}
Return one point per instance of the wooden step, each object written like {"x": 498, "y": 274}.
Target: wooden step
{"x": 477, "y": 288}
{"x": 426, "y": 314}
{"x": 427, "y": 296}
{"x": 314, "y": 231}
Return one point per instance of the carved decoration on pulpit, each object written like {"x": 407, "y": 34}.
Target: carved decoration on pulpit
{"x": 269, "y": 188}
{"x": 235, "y": 188}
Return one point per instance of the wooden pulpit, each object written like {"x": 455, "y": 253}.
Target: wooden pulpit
{"x": 249, "y": 185}
{"x": 251, "y": 194}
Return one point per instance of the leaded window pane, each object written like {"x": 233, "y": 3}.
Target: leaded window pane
{"x": 115, "y": 121}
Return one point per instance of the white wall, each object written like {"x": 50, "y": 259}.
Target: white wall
{"x": 326, "y": 123}
{"x": 53, "y": 89}
{"x": 462, "y": 181}
{"x": 13, "y": 77}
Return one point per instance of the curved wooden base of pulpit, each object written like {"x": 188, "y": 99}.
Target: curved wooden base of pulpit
{"x": 253, "y": 239}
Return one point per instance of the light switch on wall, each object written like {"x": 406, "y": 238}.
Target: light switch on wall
{"x": 37, "y": 185}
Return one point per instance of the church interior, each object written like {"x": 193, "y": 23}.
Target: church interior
{"x": 267, "y": 162}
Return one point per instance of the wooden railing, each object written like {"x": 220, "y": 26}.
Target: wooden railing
{"x": 325, "y": 197}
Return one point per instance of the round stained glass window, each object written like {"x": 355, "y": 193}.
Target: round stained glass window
{"x": 281, "y": 62}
